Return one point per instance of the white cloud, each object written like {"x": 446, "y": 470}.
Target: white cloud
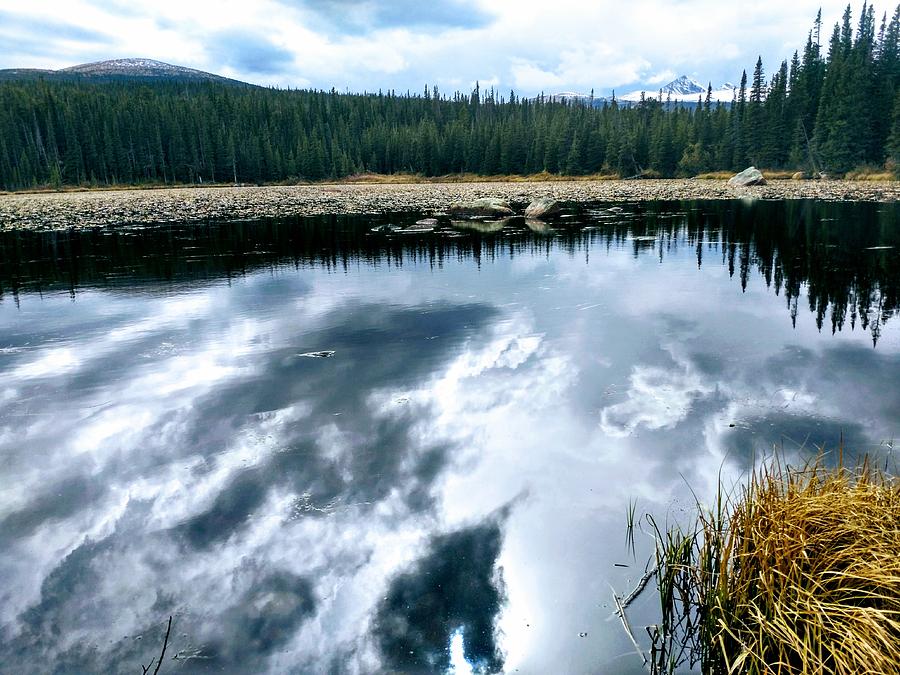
{"x": 662, "y": 77}
{"x": 529, "y": 45}
{"x": 658, "y": 398}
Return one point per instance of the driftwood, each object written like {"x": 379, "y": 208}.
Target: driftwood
{"x": 641, "y": 585}
{"x": 620, "y": 610}
{"x": 622, "y": 605}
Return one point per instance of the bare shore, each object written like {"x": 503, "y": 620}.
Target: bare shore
{"x": 97, "y": 208}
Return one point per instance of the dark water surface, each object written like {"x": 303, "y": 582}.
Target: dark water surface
{"x": 448, "y": 489}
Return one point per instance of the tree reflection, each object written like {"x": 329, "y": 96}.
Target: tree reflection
{"x": 843, "y": 257}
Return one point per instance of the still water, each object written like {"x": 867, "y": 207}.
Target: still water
{"x": 324, "y": 449}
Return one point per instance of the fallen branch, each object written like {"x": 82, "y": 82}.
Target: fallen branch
{"x": 620, "y": 610}
{"x": 641, "y": 585}
{"x": 162, "y": 654}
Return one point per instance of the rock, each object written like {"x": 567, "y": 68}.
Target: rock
{"x": 422, "y": 226}
{"x": 747, "y": 177}
{"x": 538, "y": 226}
{"x": 486, "y": 206}
{"x": 543, "y": 207}
{"x": 798, "y": 176}
{"x": 485, "y": 227}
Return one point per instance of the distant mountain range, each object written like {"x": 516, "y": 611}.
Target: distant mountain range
{"x": 120, "y": 69}
{"x": 686, "y": 90}
{"x": 682, "y": 90}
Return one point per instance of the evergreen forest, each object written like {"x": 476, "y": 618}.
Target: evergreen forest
{"x": 832, "y": 108}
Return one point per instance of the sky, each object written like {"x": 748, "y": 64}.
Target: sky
{"x": 530, "y": 46}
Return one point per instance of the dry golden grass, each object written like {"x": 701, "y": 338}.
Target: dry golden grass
{"x": 870, "y": 174}
{"x": 401, "y": 178}
{"x": 715, "y": 175}
{"x": 768, "y": 174}
{"x": 797, "y": 574}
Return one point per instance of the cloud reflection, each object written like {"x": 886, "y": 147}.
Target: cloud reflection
{"x": 174, "y": 455}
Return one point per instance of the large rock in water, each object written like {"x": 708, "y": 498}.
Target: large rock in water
{"x": 543, "y": 207}
{"x": 487, "y": 206}
{"x": 747, "y": 177}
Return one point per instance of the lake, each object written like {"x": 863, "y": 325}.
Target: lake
{"x": 324, "y": 445}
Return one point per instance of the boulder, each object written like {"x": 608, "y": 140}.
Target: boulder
{"x": 424, "y": 225}
{"x": 482, "y": 226}
{"x": 538, "y": 226}
{"x": 487, "y": 206}
{"x": 386, "y": 229}
{"x": 747, "y": 177}
{"x": 543, "y": 207}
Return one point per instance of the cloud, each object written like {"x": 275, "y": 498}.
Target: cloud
{"x": 209, "y": 475}
{"x": 44, "y": 37}
{"x": 48, "y": 29}
{"x": 248, "y": 52}
{"x": 362, "y": 16}
{"x": 663, "y": 77}
{"x": 264, "y": 618}
{"x": 368, "y": 45}
{"x": 658, "y": 398}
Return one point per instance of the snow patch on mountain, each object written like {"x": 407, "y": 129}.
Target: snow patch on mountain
{"x": 684, "y": 90}
{"x": 138, "y": 68}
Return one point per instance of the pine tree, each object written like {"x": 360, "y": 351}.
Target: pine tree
{"x": 893, "y": 144}
{"x": 755, "y": 116}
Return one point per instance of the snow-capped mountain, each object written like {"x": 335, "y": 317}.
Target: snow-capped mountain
{"x": 138, "y": 68}
{"x": 684, "y": 90}
{"x": 121, "y": 69}
{"x": 683, "y": 86}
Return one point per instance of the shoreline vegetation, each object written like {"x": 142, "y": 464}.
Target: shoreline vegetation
{"x": 795, "y": 572}
{"x": 88, "y": 209}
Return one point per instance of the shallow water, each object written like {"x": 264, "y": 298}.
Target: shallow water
{"x": 327, "y": 449}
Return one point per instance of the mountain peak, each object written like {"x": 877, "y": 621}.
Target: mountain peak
{"x": 130, "y": 64}
{"x": 115, "y": 69}
{"x": 685, "y": 89}
{"x": 684, "y": 85}
{"x": 138, "y": 67}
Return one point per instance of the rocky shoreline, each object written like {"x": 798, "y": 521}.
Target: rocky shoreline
{"x": 98, "y": 208}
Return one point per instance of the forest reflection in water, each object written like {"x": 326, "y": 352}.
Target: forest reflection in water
{"x": 457, "y": 468}
{"x": 842, "y": 254}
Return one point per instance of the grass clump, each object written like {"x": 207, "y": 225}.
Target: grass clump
{"x": 798, "y": 572}
{"x": 870, "y": 173}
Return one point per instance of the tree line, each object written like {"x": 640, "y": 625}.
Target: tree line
{"x": 829, "y": 109}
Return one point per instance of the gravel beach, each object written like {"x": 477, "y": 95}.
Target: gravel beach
{"x": 97, "y": 208}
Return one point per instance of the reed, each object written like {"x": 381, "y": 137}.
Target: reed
{"x": 796, "y": 572}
